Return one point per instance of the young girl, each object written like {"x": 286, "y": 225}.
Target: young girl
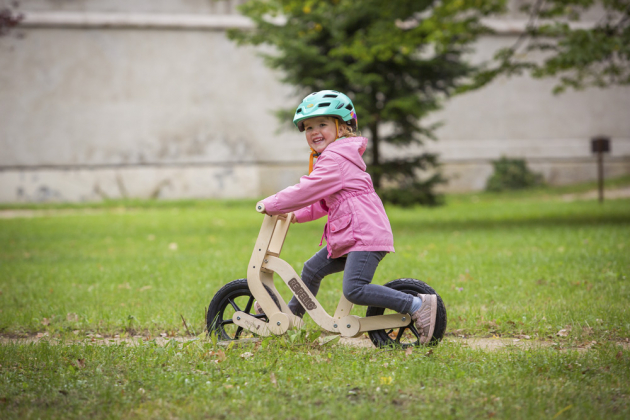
{"x": 358, "y": 234}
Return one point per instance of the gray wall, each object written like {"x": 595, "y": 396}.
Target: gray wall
{"x": 150, "y": 99}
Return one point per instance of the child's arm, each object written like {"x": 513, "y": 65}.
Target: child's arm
{"x": 325, "y": 180}
{"x": 310, "y": 213}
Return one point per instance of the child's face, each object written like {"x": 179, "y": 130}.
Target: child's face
{"x": 320, "y": 132}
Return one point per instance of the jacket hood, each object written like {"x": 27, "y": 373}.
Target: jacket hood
{"x": 350, "y": 149}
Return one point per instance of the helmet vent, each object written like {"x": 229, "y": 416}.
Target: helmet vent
{"x": 340, "y": 105}
{"x": 330, "y": 96}
{"x": 299, "y": 111}
{"x": 324, "y": 104}
{"x": 349, "y": 107}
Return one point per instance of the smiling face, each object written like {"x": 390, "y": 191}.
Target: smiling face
{"x": 320, "y": 132}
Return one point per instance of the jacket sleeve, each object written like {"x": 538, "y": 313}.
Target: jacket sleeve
{"x": 310, "y": 213}
{"x": 325, "y": 180}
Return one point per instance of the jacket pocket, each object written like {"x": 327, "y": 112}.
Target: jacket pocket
{"x": 341, "y": 234}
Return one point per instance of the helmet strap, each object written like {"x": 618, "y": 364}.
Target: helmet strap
{"x": 314, "y": 154}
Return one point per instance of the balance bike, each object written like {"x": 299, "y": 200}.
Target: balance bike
{"x": 231, "y": 314}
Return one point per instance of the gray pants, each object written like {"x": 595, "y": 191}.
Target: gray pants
{"x": 358, "y": 270}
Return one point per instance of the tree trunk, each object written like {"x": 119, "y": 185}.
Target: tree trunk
{"x": 376, "y": 178}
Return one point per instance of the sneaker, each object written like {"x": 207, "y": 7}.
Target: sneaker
{"x": 424, "y": 318}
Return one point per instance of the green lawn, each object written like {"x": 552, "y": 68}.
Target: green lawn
{"x": 505, "y": 265}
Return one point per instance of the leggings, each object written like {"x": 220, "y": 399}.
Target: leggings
{"x": 358, "y": 268}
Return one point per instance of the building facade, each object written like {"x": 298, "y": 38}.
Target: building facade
{"x": 111, "y": 99}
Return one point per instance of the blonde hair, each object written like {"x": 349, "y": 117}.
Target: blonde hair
{"x": 347, "y": 131}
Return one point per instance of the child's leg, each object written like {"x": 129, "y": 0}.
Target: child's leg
{"x": 358, "y": 274}
{"x": 315, "y": 269}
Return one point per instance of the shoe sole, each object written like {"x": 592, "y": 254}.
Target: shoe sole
{"x": 433, "y": 317}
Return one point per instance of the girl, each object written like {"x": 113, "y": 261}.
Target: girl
{"x": 358, "y": 234}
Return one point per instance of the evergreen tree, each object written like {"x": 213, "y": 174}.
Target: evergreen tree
{"x": 396, "y": 59}
{"x": 578, "y": 53}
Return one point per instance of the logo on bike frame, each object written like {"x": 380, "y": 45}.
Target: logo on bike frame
{"x": 301, "y": 294}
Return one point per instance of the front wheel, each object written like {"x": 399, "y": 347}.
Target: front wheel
{"x": 233, "y": 297}
{"x": 408, "y": 336}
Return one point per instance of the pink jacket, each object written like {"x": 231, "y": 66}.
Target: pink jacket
{"x": 339, "y": 188}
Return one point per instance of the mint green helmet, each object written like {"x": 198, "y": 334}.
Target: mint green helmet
{"x": 326, "y": 103}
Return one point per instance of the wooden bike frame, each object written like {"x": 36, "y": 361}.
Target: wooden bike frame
{"x": 266, "y": 261}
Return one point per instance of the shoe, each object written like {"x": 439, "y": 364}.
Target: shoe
{"x": 424, "y": 318}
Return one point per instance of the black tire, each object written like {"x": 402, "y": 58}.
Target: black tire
{"x": 234, "y": 296}
{"x": 408, "y": 336}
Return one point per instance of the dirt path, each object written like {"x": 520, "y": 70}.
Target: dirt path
{"x": 489, "y": 344}
{"x": 31, "y": 213}
{"x": 593, "y": 194}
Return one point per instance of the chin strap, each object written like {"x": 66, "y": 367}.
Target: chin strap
{"x": 314, "y": 154}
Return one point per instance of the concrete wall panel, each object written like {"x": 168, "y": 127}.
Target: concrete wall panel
{"x": 92, "y": 110}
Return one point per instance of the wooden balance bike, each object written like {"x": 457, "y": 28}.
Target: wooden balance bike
{"x": 231, "y": 314}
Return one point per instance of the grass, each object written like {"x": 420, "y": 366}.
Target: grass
{"x": 506, "y": 265}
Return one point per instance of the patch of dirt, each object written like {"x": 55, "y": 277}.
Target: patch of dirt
{"x": 477, "y": 343}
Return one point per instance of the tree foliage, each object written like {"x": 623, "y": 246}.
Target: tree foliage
{"x": 580, "y": 52}
{"x": 512, "y": 174}
{"x": 10, "y": 17}
{"x": 396, "y": 59}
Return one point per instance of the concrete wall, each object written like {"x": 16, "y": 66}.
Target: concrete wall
{"x": 150, "y": 99}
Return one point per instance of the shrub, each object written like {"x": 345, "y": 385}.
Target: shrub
{"x": 512, "y": 174}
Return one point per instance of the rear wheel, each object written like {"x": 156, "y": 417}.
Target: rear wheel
{"x": 407, "y": 336}
{"x": 233, "y": 297}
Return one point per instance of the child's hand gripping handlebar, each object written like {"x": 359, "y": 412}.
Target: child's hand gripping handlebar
{"x": 260, "y": 208}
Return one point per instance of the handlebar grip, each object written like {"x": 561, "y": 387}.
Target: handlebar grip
{"x": 260, "y": 207}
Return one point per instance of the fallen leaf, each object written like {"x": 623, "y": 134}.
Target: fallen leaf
{"x": 72, "y": 317}
{"x": 45, "y": 321}
{"x": 247, "y": 355}
{"x": 329, "y": 340}
{"x": 562, "y": 333}
{"x": 75, "y": 332}
{"x": 143, "y": 288}
{"x": 274, "y": 382}
{"x": 429, "y": 353}
{"x": 221, "y": 356}
{"x": 408, "y": 352}
{"x": 619, "y": 355}
{"x": 124, "y": 286}
{"x": 80, "y": 363}
{"x": 40, "y": 335}
{"x": 229, "y": 386}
